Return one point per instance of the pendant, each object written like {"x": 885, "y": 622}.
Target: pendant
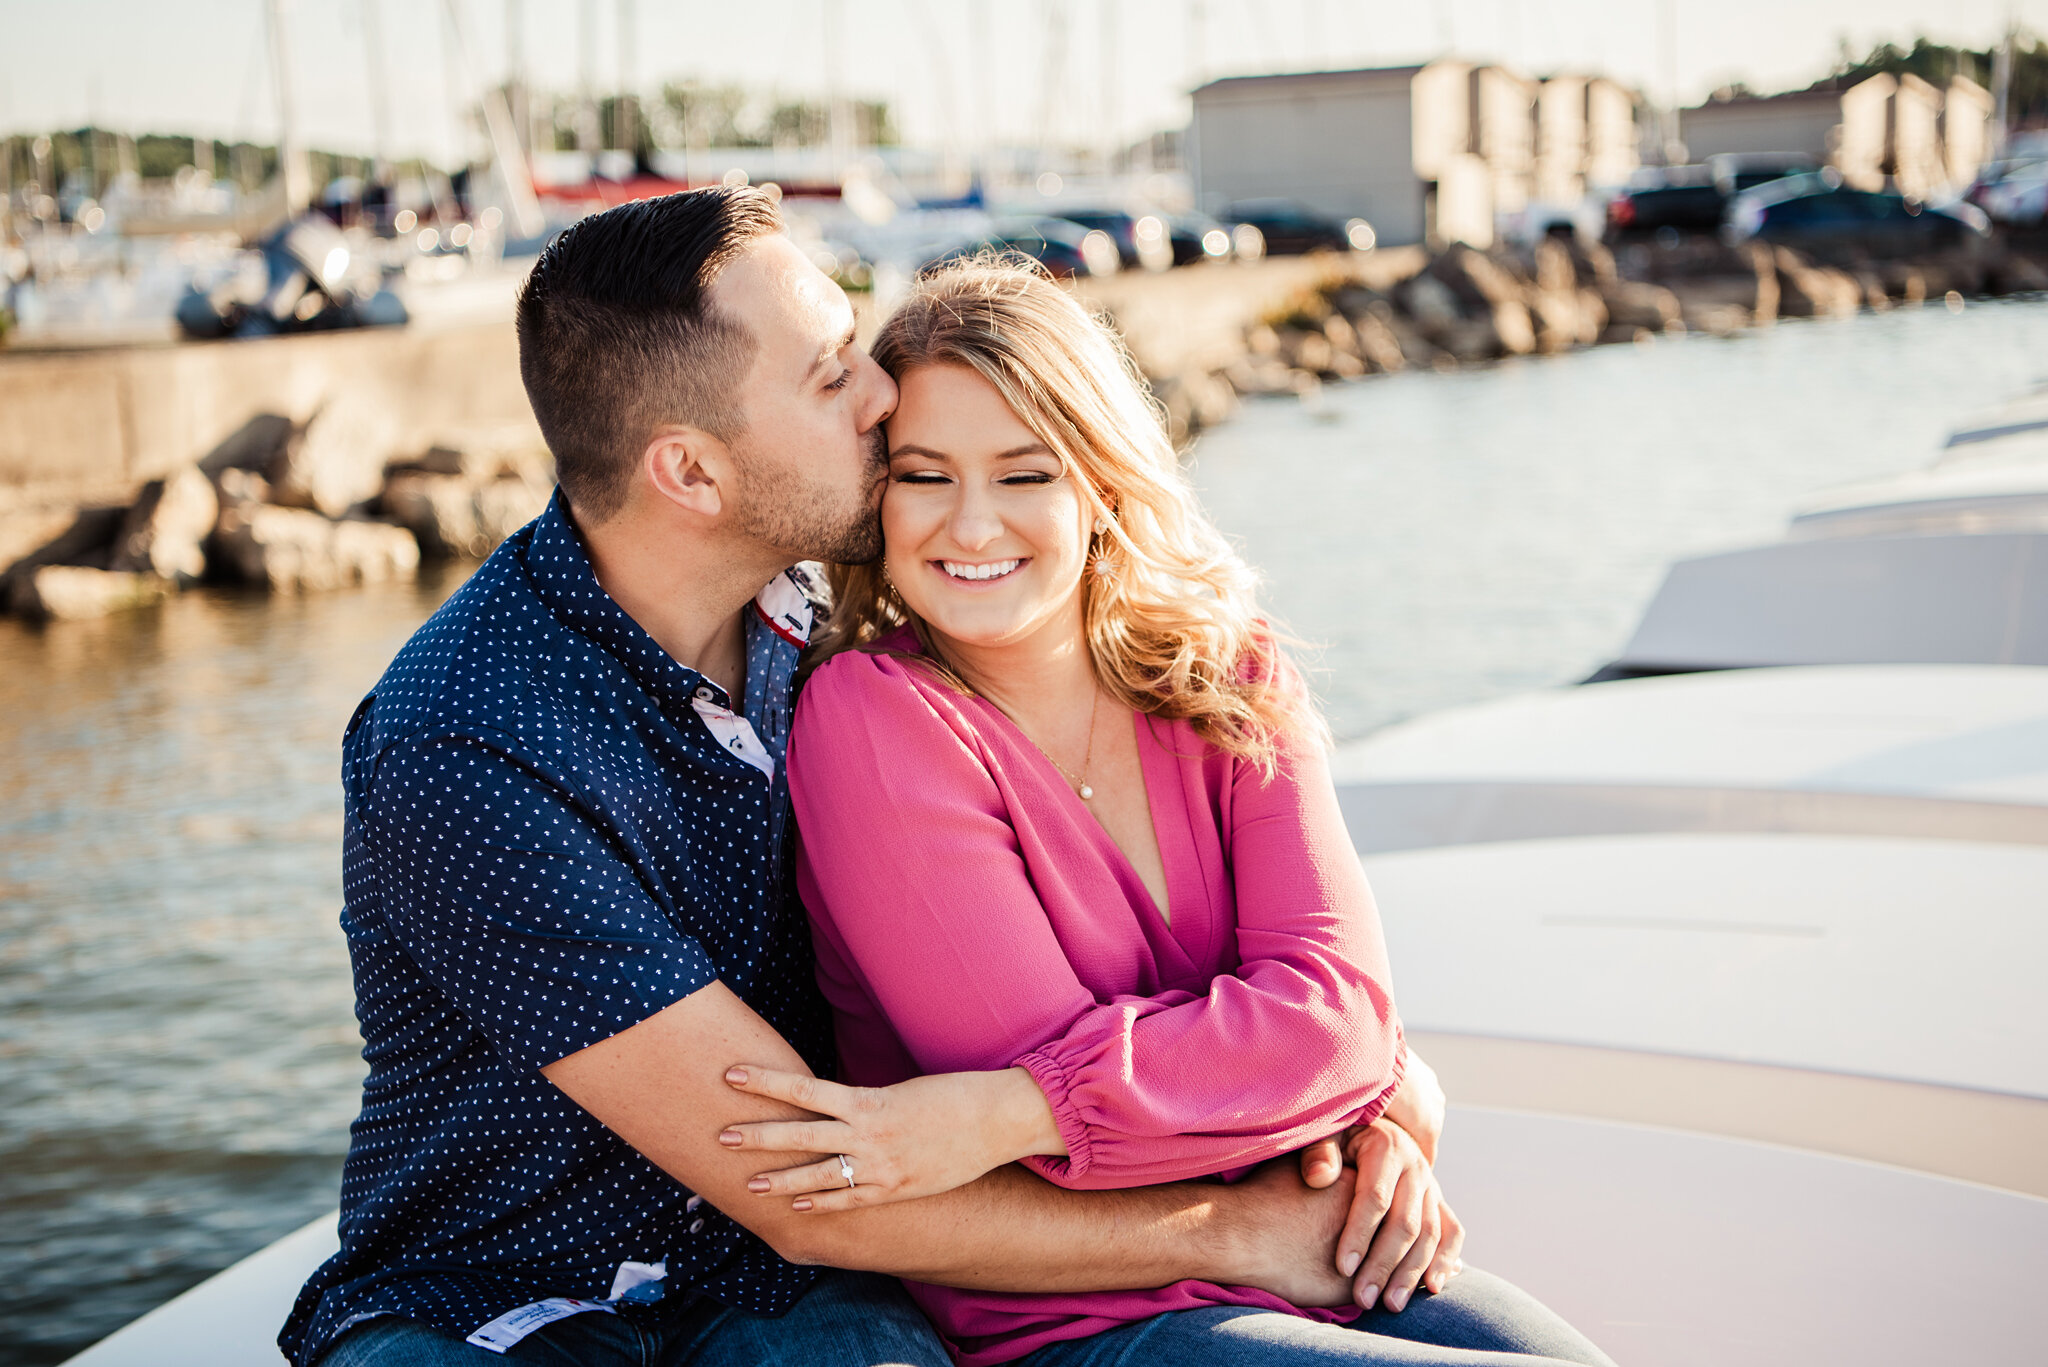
{"x": 1086, "y": 792}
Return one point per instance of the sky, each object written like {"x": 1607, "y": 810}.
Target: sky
{"x": 958, "y": 72}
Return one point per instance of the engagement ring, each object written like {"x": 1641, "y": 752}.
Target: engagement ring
{"x": 846, "y": 1169}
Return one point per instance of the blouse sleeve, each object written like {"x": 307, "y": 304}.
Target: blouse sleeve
{"x": 913, "y": 869}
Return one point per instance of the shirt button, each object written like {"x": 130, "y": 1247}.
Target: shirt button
{"x": 704, "y": 693}
{"x": 696, "y": 1226}
{"x": 692, "y": 1204}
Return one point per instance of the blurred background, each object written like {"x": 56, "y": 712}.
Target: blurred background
{"x": 1470, "y": 317}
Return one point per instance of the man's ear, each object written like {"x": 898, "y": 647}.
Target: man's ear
{"x": 690, "y": 468}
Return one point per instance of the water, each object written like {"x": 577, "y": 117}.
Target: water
{"x": 1449, "y": 538}
{"x": 177, "y": 1055}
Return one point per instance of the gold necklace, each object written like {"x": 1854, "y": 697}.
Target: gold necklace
{"x": 1080, "y": 784}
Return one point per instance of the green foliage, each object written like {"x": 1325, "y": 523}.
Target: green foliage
{"x": 694, "y": 115}
{"x": 1936, "y": 64}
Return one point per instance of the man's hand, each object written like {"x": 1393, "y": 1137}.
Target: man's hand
{"x": 1289, "y": 1231}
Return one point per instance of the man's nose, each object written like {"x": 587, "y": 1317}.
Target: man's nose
{"x": 878, "y": 394}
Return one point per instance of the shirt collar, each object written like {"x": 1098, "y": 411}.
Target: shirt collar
{"x": 558, "y": 566}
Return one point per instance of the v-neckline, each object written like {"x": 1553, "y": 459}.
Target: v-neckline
{"x": 1121, "y": 862}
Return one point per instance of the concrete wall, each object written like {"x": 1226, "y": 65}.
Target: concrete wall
{"x": 1918, "y": 165}
{"x": 1613, "y": 141}
{"x": 1785, "y": 123}
{"x": 1504, "y": 134}
{"x": 97, "y": 423}
{"x": 1966, "y": 139}
{"x": 1863, "y": 146}
{"x": 1458, "y": 196}
{"x": 1337, "y": 141}
{"x": 1560, "y": 165}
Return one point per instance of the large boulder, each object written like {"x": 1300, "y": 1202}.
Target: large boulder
{"x": 165, "y": 532}
{"x": 1809, "y": 291}
{"x": 453, "y": 516}
{"x": 1487, "y": 290}
{"x": 292, "y": 550}
{"x": 336, "y": 462}
{"x": 1634, "y": 305}
{"x": 74, "y": 592}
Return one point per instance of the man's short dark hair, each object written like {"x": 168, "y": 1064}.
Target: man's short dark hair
{"x": 617, "y": 336}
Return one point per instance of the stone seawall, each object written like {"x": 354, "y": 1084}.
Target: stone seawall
{"x": 97, "y": 424}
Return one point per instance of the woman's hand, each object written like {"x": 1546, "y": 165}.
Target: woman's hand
{"x": 1400, "y": 1231}
{"x": 917, "y": 1138}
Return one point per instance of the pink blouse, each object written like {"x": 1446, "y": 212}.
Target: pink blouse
{"x": 970, "y": 913}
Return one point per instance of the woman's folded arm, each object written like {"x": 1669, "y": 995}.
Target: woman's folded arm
{"x": 917, "y": 879}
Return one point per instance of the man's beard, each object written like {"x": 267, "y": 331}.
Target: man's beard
{"x": 813, "y": 520}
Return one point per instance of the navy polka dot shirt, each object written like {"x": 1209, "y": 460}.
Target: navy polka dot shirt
{"x": 553, "y": 831}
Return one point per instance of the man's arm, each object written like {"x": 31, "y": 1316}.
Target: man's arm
{"x": 660, "y": 1086}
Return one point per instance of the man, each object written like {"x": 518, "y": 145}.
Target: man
{"x": 568, "y": 905}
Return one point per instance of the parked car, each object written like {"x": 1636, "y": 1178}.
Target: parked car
{"x": 1677, "y": 199}
{"x": 2018, "y": 197}
{"x": 1734, "y": 172}
{"x": 1291, "y": 228}
{"x": 1064, "y": 248}
{"x": 1198, "y": 237}
{"x": 1141, "y": 239}
{"x": 1818, "y": 214}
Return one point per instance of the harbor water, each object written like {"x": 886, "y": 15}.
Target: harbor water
{"x": 178, "y": 1059}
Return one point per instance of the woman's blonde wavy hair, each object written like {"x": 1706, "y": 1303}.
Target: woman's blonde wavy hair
{"x": 1167, "y": 604}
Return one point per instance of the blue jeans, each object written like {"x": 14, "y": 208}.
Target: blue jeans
{"x": 1477, "y": 1321}
{"x": 849, "y": 1319}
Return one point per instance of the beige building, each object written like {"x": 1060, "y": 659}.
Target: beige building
{"x": 1439, "y": 152}
{"x": 1883, "y": 131}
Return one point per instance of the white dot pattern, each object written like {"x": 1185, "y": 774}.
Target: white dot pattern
{"x": 545, "y": 846}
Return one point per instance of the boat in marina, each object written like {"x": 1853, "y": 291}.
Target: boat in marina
{"x": 1948, "y": 564}
{"x": 1729, "y": 968}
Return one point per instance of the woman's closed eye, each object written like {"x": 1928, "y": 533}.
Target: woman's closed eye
{"x": 845, "y": 378}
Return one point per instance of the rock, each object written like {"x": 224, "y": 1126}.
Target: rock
{"x": 1485, "y": 290}
{"x": 1593, "y": 263}
{"x": 1555, "y": 271}
{"x": 231, "y": 487}
{"x": 1259, "y": 376}
{"x": 1592, "y": 316}
{"x": 75, "y": 592}
{"x": 1632, "y": 304}
{"x": 452, "y": 516}
{"x": 1305, "y": 350}
{"x": 1557, "y": 320}
{"x": 1809, "y": 291}
{"x": 1432, "y": 304}
{"x": 1379, "y": 345}
{"x": 255, "y": 445}
{"x": 24, "y": 532}
{"x": 87, "y": 535}
{"x": 165, "y": 532}
{"x": 337, "y": 462}
{"x": 291, "y": 549}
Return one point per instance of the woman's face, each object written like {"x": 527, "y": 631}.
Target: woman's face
{"x": 986, "y": 535}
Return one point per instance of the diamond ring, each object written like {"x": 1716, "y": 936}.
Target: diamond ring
{"x": 846, "y": 1169}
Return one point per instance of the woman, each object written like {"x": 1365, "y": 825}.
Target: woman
{"x": 1066, "y": 819}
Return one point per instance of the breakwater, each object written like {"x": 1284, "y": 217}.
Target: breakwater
{"x": 338, "y": 459}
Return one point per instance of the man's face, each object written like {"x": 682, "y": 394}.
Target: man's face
{"x": 812, "y": 458}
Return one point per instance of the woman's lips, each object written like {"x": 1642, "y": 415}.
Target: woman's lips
{"x": 968, "y": 572}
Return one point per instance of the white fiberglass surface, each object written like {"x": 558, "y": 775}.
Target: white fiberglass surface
{"x": 1679, "y": 1250}
{"x": 1976, "y": 732}
{"x": 1906, "y": 959}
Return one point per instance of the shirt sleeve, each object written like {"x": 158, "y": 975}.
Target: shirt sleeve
{"x": 514, "y": 904}
{"x": 924, "y": 887}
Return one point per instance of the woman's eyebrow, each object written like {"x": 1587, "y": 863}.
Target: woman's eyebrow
{"x": 1036, "y": 448}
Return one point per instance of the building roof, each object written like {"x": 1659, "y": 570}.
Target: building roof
{"x": 1305, "y": 77}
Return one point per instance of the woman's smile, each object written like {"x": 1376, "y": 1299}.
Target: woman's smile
{"x": 971, "y": 573}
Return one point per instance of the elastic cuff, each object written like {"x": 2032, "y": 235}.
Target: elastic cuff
{"x": 1378, "y": 1105}
{"x": 1051, "y": 1078}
